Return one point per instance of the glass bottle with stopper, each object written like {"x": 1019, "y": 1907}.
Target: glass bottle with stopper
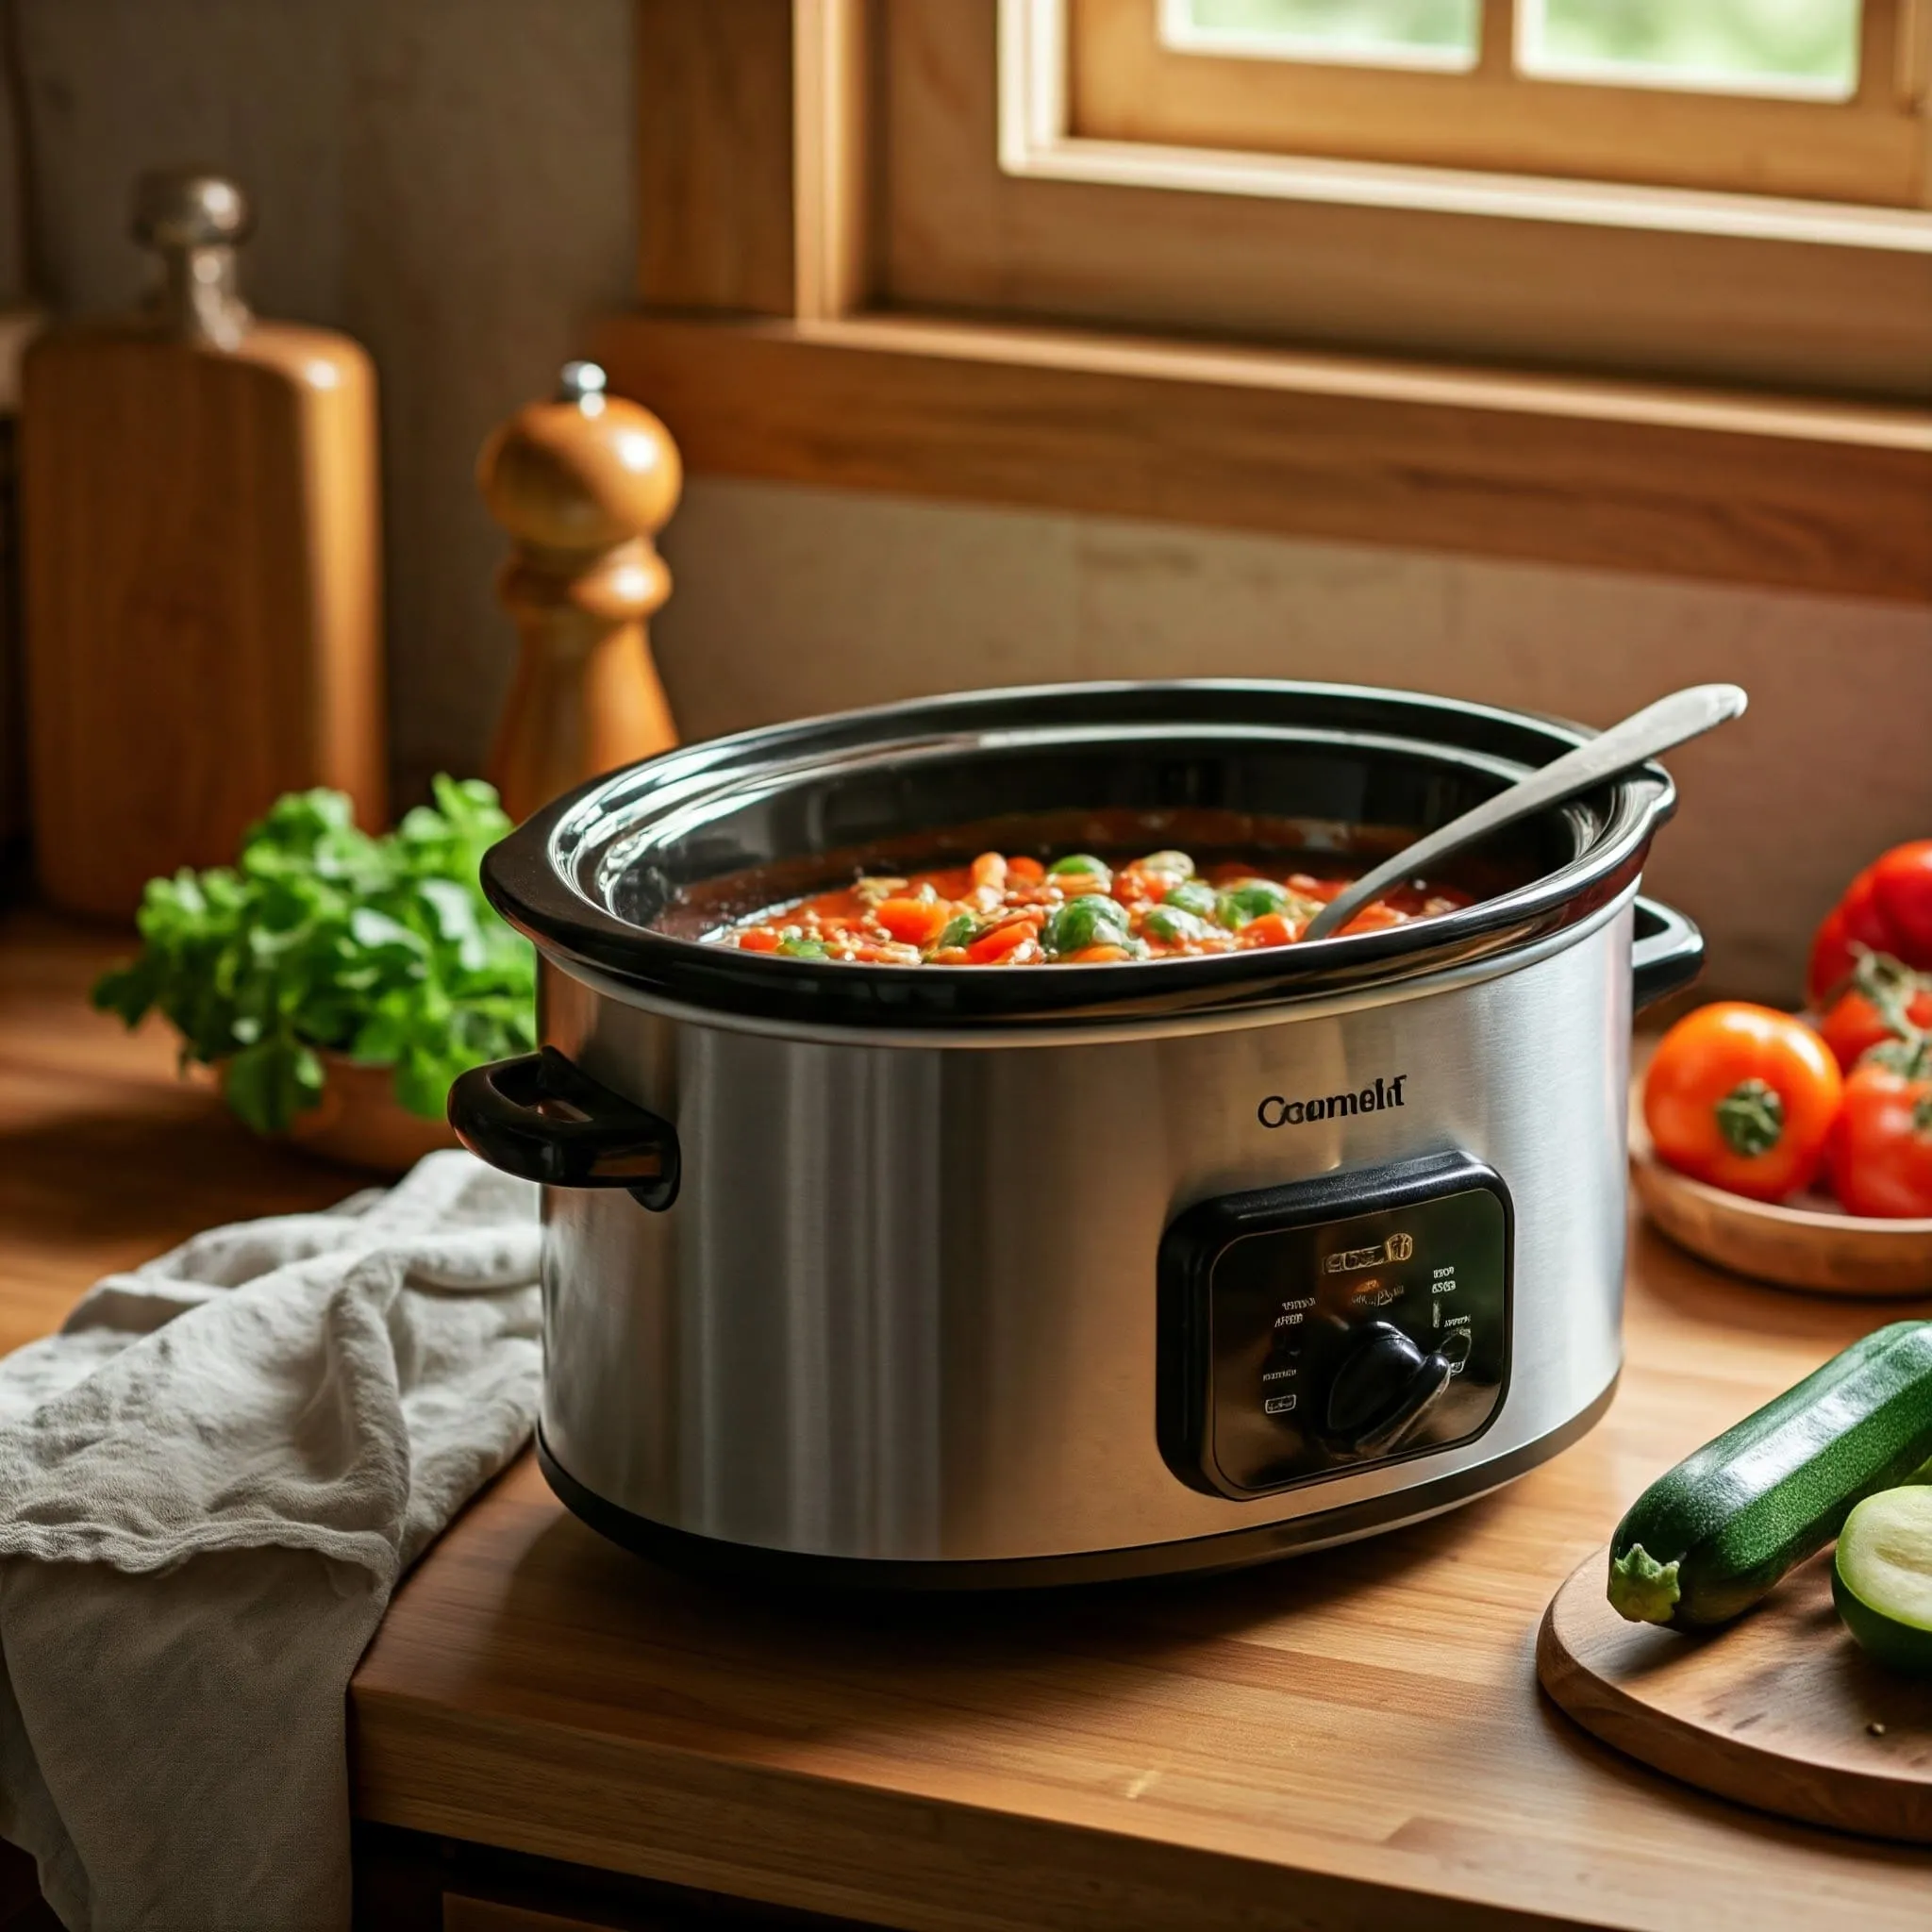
{"x": 582, "y": 483}
{"x": 194, "y": 222}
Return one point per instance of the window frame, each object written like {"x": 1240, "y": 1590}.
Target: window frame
{"x": 1044, "y": 135}
{"x": 810, "y": 311}
{"x": 1109, "y": 75}
{"x": 1625, "y": 282}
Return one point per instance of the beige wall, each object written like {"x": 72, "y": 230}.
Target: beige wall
{"x": 449, "y": 180}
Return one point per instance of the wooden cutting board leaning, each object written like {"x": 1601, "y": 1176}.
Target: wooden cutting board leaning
{"x": 200, "y": 522}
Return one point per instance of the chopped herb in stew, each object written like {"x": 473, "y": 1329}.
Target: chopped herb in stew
{"x": 1078, "y": 911}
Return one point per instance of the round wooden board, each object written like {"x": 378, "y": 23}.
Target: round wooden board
{"x": 1782, "y": 1710}
{"x": 1812, "y": 1245}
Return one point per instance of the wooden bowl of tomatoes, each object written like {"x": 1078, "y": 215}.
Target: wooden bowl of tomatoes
{"x": 1797, "y": 1147}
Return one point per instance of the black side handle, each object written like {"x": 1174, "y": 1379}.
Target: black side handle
{"x": 1666, "y": 956}
{"x": 542, "y": 1118}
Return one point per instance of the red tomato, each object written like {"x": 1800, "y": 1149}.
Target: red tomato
{"x": 1855, "y": 1024}
{"x": 1886, "y": 908}
{"x": 1902, "y": 895}
{"x": 1832, "y": 958}
{"x": 757, "y": 940}
{"x": 1270, "y": 929}
{"x": 1881, "y": 1154}
{"x": 917, "y": 922}
{"x": 1742, "y": 1097}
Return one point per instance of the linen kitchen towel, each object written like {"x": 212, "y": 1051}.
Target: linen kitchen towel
{"x": 210, "y": 1481}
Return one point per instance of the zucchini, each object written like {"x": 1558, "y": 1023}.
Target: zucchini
{"x": 1705, "y": 1542}
{"x": 1882, "y": 1577}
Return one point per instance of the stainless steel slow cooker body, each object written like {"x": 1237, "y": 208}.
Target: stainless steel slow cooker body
{"x": 969, "y": 1277}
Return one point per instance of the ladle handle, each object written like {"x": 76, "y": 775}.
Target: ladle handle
{"x": 1683, "y": 714}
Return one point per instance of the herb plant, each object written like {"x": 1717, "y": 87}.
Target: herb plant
{"x": 321, "y": 938}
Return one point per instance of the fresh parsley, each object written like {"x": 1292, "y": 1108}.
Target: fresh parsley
{"x": 321, "y": 938}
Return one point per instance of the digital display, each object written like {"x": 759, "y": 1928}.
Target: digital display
{"x": 1308, "y": 1340}
{"x": 1288, "y": 1305}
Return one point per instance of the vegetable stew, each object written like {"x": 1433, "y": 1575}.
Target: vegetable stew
{"x": 1079, "y": 909}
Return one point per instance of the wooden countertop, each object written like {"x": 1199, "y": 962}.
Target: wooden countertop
{"x": 1354, "y": 1739}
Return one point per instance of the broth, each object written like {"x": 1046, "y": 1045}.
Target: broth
{"x": 1078, "y": 910}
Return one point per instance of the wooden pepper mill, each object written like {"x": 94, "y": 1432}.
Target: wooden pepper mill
{"x": 201, "y": 540}
{"x": 582, "y": 484}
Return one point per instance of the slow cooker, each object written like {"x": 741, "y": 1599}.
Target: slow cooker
{"x": 956, "y": 1275}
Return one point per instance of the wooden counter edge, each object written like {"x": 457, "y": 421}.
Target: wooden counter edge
{"x": 764, "y": 1833}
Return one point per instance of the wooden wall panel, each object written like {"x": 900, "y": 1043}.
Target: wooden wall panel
{"x": 714, "y": 123}
{"x": 1814, "y": 497}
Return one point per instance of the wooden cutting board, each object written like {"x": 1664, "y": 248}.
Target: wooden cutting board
{"x": 202, "y": 569}
{"x": 1782, "y": 1710}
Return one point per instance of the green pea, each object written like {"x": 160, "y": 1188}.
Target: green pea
{"x": 1249, "y": 900}
{"x": 1193, "y": 896}
{"x": 1088, "y": 921}
{"x": 1175, "y": 865}
{"x": 800, "y": 947}
{"x": 1174, "y": 924}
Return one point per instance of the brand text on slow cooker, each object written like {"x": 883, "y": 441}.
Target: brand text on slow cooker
{"x": 1276, "y": 1111}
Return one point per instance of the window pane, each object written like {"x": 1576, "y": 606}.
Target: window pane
{"x": 1383, "y": 33}
{"x": 1807, "y": 47}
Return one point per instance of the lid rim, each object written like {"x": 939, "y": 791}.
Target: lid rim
{"x": 535, "y": 877}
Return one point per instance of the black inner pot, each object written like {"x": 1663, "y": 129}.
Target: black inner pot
{"x": 1340, "y": 812}
{"x": 621, "y": 876}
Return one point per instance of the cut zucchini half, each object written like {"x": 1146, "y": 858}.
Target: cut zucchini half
{"x": 1882, "y": 1579}
{"x": 1712, "y": 1537}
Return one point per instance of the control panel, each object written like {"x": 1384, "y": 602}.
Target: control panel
{"x": 1313, "y": 1329}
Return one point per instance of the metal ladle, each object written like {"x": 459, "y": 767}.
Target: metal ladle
{"x": 1683, "y": 714}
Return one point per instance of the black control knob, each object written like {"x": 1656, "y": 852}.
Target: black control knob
{"x": 1383, "y": 1386}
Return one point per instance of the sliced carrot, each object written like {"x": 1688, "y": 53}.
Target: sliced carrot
{"x": 1373, "y": 917}
{"x": 1001, "y": 941}
{"x": 917, "y": 922}
{"x": 1029, "y": 870}
{"x": 1095, "y": 955}
{"x": 1270, "y": 929}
